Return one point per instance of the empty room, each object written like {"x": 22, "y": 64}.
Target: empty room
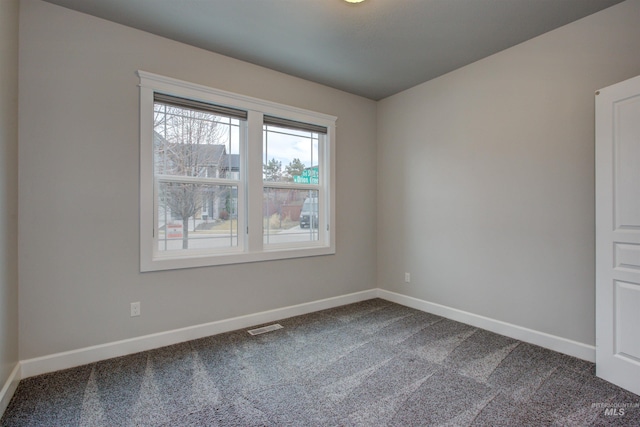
{"x": 319, "y": 212}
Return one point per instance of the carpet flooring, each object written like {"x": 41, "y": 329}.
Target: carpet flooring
{"x": 373, "y": 363}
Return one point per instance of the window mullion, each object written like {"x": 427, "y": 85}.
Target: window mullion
{"x": 254, "y": 182}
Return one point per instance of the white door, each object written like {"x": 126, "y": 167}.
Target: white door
{"x": 618, "y": 234}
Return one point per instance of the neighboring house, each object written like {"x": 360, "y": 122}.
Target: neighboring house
{"x": 197, "y": 160}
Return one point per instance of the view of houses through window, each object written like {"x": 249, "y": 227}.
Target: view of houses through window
{"x": 197, "y": 170}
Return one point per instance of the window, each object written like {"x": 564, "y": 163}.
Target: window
{"x": 196, "y": 150}
{"x": 291, "y": 182}
{"x": 227, "y": 179}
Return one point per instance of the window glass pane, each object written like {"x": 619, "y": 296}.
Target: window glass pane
{"x": 196, "y": 216}
{"x": 290, "y": 215}
{"x": 290, "y": 155}
{"x": 194, "y": 143}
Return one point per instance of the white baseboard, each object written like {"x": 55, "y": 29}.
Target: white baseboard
{"x": 10, "y": 386}
{"x": 83, "y": 356}
{"x": 552, "y": 342}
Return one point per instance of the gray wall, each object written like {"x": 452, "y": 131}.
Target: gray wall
{"x": 8, "y": 188}
{"x": 486, "y": 178}
{"x": 79, "y": 189}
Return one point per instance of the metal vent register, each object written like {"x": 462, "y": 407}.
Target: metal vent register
{"x": 265, "y": 329}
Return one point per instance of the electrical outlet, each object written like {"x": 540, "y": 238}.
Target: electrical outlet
{"x": 407, "y": 277}
{"x": 135, "y": 309}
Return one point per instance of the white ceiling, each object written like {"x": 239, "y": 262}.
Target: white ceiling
{"x": 374, "y": 49}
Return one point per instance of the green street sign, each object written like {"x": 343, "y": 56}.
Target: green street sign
{"x": 309, "y": 176}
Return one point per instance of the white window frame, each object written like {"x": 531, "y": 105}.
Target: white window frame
{"x": 250, "y": 185}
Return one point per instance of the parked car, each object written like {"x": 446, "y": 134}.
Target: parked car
{"x": 309, "y": 213}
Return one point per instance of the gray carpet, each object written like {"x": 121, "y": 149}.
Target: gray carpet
{"x": 373, "y": 363}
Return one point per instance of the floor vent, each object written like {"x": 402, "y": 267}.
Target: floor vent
{"x": 265, "y": 329}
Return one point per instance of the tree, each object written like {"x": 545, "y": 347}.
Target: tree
{"x": 272, "y": 170}
{"x": 186, "y": 144}
{"x": 294, "y": 168}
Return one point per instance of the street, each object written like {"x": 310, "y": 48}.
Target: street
{"x": 208, "y": 240}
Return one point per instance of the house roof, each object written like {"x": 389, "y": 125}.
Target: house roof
{"x": 207, "y": 155}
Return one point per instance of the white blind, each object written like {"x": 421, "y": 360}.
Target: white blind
{"x": 292, "y": 124}
{"x": 221, "y": 110}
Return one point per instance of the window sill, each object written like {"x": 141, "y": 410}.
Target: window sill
{"x": 193, "y": 261}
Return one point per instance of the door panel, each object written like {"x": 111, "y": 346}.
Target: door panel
{"x": 626, "y": 131}
{"x": 627, "y": 320}
{"x": 626, "y": 256}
